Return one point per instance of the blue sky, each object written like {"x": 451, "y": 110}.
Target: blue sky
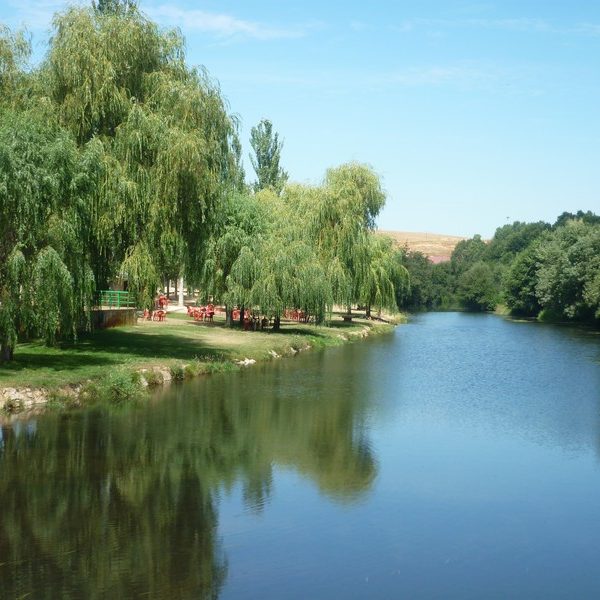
{"x": 473, "y": 113}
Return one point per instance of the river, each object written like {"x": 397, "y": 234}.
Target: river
{"x": 458, "y": 457}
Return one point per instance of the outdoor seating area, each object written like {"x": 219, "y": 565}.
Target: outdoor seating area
{"x": 296, "y": 315}
{"x": 155, "y": 315}
{"x": 202, "y": 313}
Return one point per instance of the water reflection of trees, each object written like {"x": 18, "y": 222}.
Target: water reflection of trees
{"x": 97, "y": 504}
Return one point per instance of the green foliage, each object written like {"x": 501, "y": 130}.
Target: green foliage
{"x": 114, "y": 158}
{"x": 569, "y": 268}
{"x": 509, "y": 240}
{"x": 267, "y": 154}
{"x": 46, "y": 283}
{"x": 114, "y": 7}
{"x": 478, "y": 288}
{"x": 177, "y": 373}
{"x": 417, "y": 292}
{"x": 586, "y": 217}
{"x": 164, "y": 141}
{"x": 383, "y": 275}
{"x": 120, "y": 387}
{"x": 15, "y": 50}
{"x": 537, "y": 270}
{"x": 467, "y": 253}
{"x": 519, "y": 287}
{"x": 153, "y": 377}
{"x": 304, "y": 249}
{"x": 192, "y": 369}
{"x": 239, "y": 228}
{"x": 342, "y": 216}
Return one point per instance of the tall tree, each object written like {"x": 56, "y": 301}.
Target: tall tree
{"x": 166, "y": 139}
{"x": 383, "y": 275}
{"x": 114, "y": 7}
{"x": 569, "y": 271}
{"x": 342, "y": 215}
{"x": 267, "y": 154}
{"x": 241, "y": 224}
{"x": 46, "y": 282}
{"x": 15, "y": 50}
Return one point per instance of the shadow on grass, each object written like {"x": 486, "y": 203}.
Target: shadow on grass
{"x": 287, "y": 330}
{"x": 159, "y": 345}
{"x": 113, "y": 347}
{"x": 110, "y": 348}
{"x": 54, "y": 360}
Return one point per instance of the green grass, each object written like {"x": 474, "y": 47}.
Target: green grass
{"x": 172, "y": 344}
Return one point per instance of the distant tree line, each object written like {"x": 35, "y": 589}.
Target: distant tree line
{"x": 117, "y": 159}
{"x": 534, "y": 269}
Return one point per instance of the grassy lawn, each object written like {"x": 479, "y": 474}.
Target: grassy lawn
{"x": 175, "y": 341}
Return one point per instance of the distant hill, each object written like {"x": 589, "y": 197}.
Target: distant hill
{"x": 438, "y": 247}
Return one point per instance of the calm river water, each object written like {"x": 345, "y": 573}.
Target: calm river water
{"x": 458, "y": 457}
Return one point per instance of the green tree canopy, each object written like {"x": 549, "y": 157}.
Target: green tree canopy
{"x": 114, "y": 7}
{"x": 342, "y": 216}
{"x": 166, "y": 139}
{"x": 569, "y": 271}
{"x": 15, "y": 49}
{"x": 46, "y": 281}
{"x": 478, "y": 287}
{"x": 267, "y": 155}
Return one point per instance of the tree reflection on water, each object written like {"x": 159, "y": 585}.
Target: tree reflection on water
{"x": 98, "y": 504}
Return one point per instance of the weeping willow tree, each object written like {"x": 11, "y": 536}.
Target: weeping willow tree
{"x": 290, "y": 275}
{"x": 240, "y": 226}
{"x": 383, "y": 275}
{"x": 46, "y": 282}
{"x": 281, "y": 269}
{"x": 342, "y": 215}
{"x": 164, "y": 140}
{"x": 15, "y": 50}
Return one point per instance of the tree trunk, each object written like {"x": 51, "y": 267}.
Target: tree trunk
{"x": 276, "y": 323}
{"x": 242, "y": 310}
{"x": 228, "y": 316}
{"x": 368, "y": 311}
{"x": 179, "y": 293}
{"x": 6, "y": 352}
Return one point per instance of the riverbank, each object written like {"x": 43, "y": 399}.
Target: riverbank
{"x": 120, "y": 362}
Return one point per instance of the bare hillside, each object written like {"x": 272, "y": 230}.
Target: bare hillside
{"x": 437, "y": 246}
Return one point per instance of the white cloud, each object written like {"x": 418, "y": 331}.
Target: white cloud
{"x": 592, "y": 29}
{"x": 221, "y": 25}
{"x": 37, "y": 14}
{"x": 521, "y": 24}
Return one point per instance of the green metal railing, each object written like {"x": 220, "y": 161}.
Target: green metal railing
{"x": 115, "y": 299}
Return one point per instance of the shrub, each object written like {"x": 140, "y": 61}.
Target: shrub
{"x": 177, "y": 373}
{"x": 121, "y": 387}
{"x": 153, "y": 378}
{"x": 192, "y": 370}
{"x": 58, "y": 400}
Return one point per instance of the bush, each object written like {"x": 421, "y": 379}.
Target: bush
{"x": 177, "y": 373}
{"x": 192, "y": 370}
{"x": 121, "y": 387}
{"x": 153, "y": 378}
{"x": 58, "y": 400}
